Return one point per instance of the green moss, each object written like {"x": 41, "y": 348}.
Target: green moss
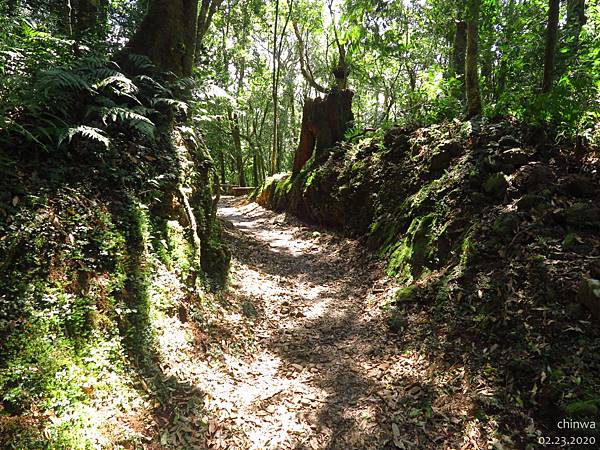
{"x": 583, "y": 408}
{"x": 506, "y": 224}
{"x": 406, "y": 294}
{"x": 496, "y": 185}
{"x": 416, "y": 249}
{"x": 571, "y": 241}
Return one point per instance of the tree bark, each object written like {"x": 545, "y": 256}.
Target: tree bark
{"x": 471, "y": 60}
{"x": 459, "y": 54}
{"x": 167, "y": 35}
{"x": 274, "y": 145}
{"x": 324, "y": 122}
{"x": 88, "y": 18}
{"x": 550, "y": 47}
{"x": 237, "y": 145}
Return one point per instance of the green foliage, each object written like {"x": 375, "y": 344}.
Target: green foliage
{"x": 90, "y": 133}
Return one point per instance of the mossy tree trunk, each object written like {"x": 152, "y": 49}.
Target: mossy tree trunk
{"x": 550, "y": 47}
{"x": 471, "y": 60}
{"x": 459, "y": 47}
{"x": 237, "y": 147}
{"x": 576, "y": 18}
{"x": 167, "y": 35}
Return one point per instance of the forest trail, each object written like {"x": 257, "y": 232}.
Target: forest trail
{"x": 317, "y": 374}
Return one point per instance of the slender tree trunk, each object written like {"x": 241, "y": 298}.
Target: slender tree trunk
{"x": 67, "y": 18}
{"x": 274, "y": 145}
{"x": 255, "y": 179}
{"x": 471, "y": 60}
{"x": 550, "y": 48}
{"x": 205, "y": 15}
{"x": 459, "y": 54}
{"x": 576, "y": 19}
{"x": 237, "y": 145}
{"x": 222, "y": 165}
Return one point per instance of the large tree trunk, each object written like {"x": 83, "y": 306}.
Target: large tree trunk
{"x": 167, "y": 35}
{"x": 471, "y": 64}
{"x": 550, "y": 49}
{"x": 324, "y": 122}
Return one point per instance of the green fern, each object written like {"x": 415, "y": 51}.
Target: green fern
{"x": 130, "y": 117}
{"x": 121, "y": 82}
{"x": 28, "y": 135}
{"x": 60, "y": 80}
{"x": 91, "y": 133}
{"x": 154, "y": 85}
{"x": 177, "y": 105}
{"x": 141, "y": 62}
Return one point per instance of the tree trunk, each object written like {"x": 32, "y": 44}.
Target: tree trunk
{"x": 237, "y": 145}
{"x": 205, "y": 15}
{"x": 274, "y": 93}
{"x": 459, "y": 53}
{"x": 167, "y": 35}
{"x": 324, "y": 122}
{"x": 471, "y": 64}
{"x": 222, "y": 165}
{"x": 575, "y": 21}
{"x": 88, "y": 18}
{"x": 550, "y": 48}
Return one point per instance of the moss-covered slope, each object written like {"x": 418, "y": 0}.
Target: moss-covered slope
{"x": 492, "y": 228}
{"x": 98, "y": 242}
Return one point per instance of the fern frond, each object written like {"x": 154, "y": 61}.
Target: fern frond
{"x": 155, "y": 85}
{"x": 62, "y": 80}
{"x": 120, "y": 81}
{"x": 130, "y": 117}
{"x": 19, "y": 129}
{"x": 91, "y": 133}
{"x": 178, "y": 105}
{"x": 141, "y": 61}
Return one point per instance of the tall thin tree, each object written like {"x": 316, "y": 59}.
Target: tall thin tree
{"x": 550, "y": 48}
{"x": 471, "y": 60}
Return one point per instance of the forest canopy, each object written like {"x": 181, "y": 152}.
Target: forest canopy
{"x": 255, "y": 62}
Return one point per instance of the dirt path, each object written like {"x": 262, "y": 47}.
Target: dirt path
{"x": 315, "y": 376}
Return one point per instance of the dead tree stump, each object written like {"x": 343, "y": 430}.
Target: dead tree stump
{"x": 324, "y": 122}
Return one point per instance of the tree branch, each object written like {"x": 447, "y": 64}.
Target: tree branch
{"x": 307, "y": 74}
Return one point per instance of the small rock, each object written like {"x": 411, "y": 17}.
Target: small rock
{"x": 515, "y": 157}
{"x": 444, "y": 153}
{"x": 529, "y": 201}
{"x": 533, "y": 177}
{"x": 589, "y": 296}
{"x": 579, "y": 186}
{"x": 496, "y": 185}
{"x": 509, "y": 141}
{"x": 506, "y": 224}
{"x": 582, "y": 215}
